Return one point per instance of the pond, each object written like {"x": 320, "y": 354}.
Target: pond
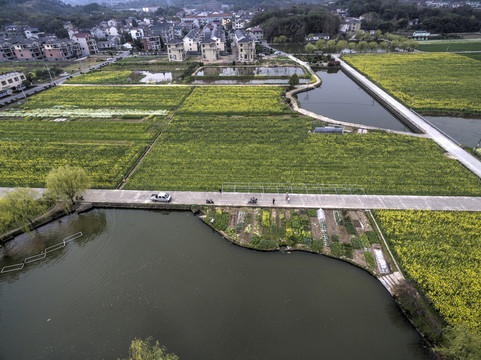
{"x": 340, "y": 98}
{"x": 250, "y": 71}
{"x": 466, "y": 132}
{"x": 137, "y": 273}
{"x": 246, "y": 82}
{"x": 156, "y": 77}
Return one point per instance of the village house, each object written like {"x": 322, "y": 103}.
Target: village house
{"x": 244, "y": 47}
{"x": 191, "y": 41}
{"x": 7, "y": 51}
{"x": 350, "y": 25}
{"x": 151, "y": 43}
{"x": 28, "y": 50}
{"x": 11, "y": 80}
{"x": 256, "y": 33}
{"x": 175, "y": 50}
{"x": 63, "y": 49}
{"x": 88, "y": 46}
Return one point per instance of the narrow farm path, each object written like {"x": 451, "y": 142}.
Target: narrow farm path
{"x": 147, "y": 150}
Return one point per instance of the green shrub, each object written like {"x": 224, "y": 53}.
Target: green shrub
{"x": 295, "y": 224}
{"x": 240, "y": 226}
{"x": 221, "y": 221}
{"x": 281, "y": 231}
{"x": 365, "y": 241}
{"x": 317, "y": 245}
{"x": 335, "y": 238}
{"x": 273, "y": 229}
{"x": 336, "y": 249}
{"x": 292, "y": 240}
{"x": 347, "y": 250}
{"x": 372, "y": 236}
{"x": 265, "y": 244}
{"x": 305, "y": 221}
{"x": 255, "y": 239}
{"x": 312, "y": 212}
{"x": 370, "y": 259}
{"x": 350, "y": 228}
{"x": 356, "y": 243}
{"x": 307, "y": 241}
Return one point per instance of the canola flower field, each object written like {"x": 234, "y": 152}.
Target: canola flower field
{"x": 235, "y": 100}
{"x": 429, "y": 83}
{"x": 441, "y": 251}
{"x": 102, "y": 77}
{"x": 119, "y": 97}
{"x": 200, "y": 152}
{"x": 106, "y": 149}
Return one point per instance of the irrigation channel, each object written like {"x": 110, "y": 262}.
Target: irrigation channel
{"x": 139, "y": 273}
{"x": 340, "y": 98}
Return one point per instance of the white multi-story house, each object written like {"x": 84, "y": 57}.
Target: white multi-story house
{"x": 88, "y": 46}
{"x": 191, "y": 40}
{"x": 136, "y": 33}
{"x": 244, "y": 47}
{"x": 175, "y": 50}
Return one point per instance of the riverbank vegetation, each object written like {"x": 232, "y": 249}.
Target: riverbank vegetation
{"x": 429, "y": 83}
{"x": 441, "y": 252}
{"x": 200, "y": 152}
{"x": 345, "y": 234}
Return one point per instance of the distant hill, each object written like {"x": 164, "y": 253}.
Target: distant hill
{"x": 50, "y": 15}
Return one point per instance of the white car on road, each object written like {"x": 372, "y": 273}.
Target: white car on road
{"x": 161, "y": 196}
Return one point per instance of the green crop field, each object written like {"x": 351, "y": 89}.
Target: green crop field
{"x": 123, "y": 97}
{"x": 441, "y": 251}
{"x": 201, "y": 152}
{"x": 29, "y": 149}
{"x": 435, "y": 82}
{"x": 235, "y": 100}
{"x": 449, "y": 45}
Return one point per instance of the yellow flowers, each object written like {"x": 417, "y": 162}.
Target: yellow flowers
{"x": 434, "y": 82}
{"x": 441, "y": 251}
{"x": 235, "y": 100}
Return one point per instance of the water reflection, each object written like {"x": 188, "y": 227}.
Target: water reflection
{"x": 90, "y": 224}
{"x": 172, "y": 278}
{"x": 250, "y": 71}
{"x": 341, "y": 99}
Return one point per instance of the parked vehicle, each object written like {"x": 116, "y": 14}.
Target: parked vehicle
{"x": 161, "y": 196}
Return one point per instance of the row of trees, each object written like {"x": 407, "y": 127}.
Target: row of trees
{"x": 388, "y": 15}
{"x": 333, "y": 46}
{"x": 294, "y": 23}
{"x": 20, "y": 206}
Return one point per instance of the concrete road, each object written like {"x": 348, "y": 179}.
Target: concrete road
{"x": 455, "y": 203}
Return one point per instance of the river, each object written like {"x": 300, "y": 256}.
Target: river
{"x": 138, "y": 273}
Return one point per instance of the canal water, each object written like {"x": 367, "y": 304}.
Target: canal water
{"x": 136, "y": 273}
{"x": 342, "y": 99}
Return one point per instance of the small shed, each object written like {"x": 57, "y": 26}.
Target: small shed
{"x": 328, "y": 130}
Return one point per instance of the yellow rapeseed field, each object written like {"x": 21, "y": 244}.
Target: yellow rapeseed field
{"x": 433, "y": 82}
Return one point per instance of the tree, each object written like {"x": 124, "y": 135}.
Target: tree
{"x": 362, "y": 45}
{"x": 144, "y": 350}
{"x": 135, "y": 23}
{"x": 20, "y": 205}
{"x": 331, "y": 46}
{"x": 460, "y": 344}
{"x": 294, "y": 81}
{"x": 372, "y": 45}
{"x": 310, "y": 48}
{"x": 66, "y": 182}
{"x": 320, "y": 44}
{"x": 341, "y": 45}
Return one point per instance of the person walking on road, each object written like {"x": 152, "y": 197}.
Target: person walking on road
{"x": 287, "y": 196}
{"x": 273, "y": 201}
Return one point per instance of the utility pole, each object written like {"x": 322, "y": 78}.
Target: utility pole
{"x": 48, "y": 70}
